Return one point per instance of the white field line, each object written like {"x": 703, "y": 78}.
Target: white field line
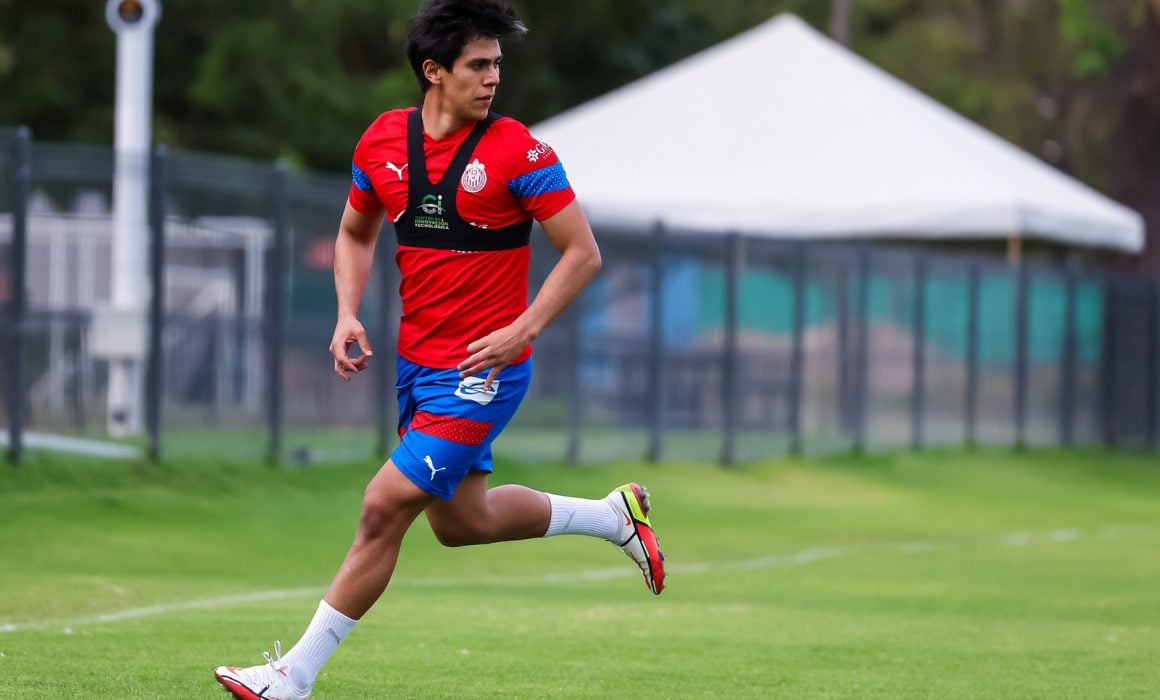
{"x": 133, "y": 613}
{"x": 808, "y": 556}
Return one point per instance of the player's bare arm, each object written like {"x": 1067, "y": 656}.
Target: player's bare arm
{"x": 354, "y": 253}
{"x": 579, "y": 262}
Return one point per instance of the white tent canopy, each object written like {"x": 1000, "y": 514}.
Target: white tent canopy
{"x": 781, "y": 132}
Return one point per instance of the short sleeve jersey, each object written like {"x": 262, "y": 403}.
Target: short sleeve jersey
{"x": 454, "y": 297}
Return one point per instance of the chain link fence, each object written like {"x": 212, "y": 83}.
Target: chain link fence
{"x": 687, "y": 347}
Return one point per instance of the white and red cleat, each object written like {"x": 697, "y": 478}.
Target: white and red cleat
{"x": 269, "y": 681}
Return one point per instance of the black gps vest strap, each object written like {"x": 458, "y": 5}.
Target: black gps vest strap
{"x": 417, "y": 158}
{"x": 432, "y": 219}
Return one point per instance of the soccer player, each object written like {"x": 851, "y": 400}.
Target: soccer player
{"x": 462, "y": 186}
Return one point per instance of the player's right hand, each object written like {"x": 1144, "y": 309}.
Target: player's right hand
{"x": 347, "y": 332}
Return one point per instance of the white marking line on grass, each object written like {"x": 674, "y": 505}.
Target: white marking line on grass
{"x": 134, "y": 613}
{"x": 917, "y": 547}
{"x": 1017, "y": 539}
{"x": 808, "y": 556}
{"x": 1068, "y": 535}
{"x": 798, "y": 558}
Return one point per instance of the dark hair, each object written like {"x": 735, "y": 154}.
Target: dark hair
{"x": 443, "y": 27}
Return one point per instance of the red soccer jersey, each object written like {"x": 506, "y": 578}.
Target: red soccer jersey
{"x": 450, "y": 297}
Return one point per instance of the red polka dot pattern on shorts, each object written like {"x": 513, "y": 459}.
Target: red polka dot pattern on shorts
{"x": 461, "y": 430}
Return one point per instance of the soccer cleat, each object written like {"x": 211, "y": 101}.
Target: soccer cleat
{"x": 270, "y": 681}
{"x": 637, "y": 538}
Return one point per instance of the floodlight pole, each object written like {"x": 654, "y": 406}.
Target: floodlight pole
{"x": 134, "y": 22}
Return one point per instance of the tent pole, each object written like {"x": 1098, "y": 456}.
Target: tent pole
{"x": 1014, "y": 249}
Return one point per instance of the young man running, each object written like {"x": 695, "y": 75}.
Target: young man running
{"x": 462, "y": 186}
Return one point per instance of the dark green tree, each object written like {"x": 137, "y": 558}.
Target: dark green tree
{"x": 56, "y": 69}
{"x": 1076, "y": 82}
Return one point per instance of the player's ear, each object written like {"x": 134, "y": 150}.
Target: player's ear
{"x": 433, "y": 72}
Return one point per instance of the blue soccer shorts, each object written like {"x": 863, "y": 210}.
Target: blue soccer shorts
{"x": 447, "y": 424}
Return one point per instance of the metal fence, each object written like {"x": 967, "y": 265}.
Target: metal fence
{"x": 686, "y": 347}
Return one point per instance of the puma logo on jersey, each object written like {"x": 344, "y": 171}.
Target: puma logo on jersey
{"x": 396, "y": 169}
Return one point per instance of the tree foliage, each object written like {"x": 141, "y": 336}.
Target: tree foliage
{"x": 301, "y": 79}
{"x": 1075, "y": 82}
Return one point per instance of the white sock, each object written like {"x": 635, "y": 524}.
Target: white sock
{"x": 582, "y": 516}
{"x": 326, "y": 631}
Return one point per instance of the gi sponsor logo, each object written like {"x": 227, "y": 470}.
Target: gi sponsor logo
{"x": 432, "y": 209}
{"x": 472, "y": 389}
{"x": 540, "y": 151}
{"x": 474, "y": 177}
{"x": 432, "y": 205}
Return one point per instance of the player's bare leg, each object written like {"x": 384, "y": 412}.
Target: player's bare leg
{"x": 479, "y": 515}
{"x": 390, "y": 504}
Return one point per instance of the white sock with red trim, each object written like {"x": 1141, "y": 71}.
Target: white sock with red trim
{"x": 582, "y": 516}
{"x": 326, "y": 631}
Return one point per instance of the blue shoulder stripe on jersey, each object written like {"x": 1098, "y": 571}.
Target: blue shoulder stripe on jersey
{"x": 547, "y": 179}
{"x": 360, "y": 178}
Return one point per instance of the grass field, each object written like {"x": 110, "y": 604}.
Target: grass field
{"x": 942, "y": 575}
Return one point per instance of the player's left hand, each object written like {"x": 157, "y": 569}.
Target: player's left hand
{"x": 493, "y": 352}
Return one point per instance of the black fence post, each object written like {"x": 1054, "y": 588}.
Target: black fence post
{"x": 386, "y": 406}
{"x": 1068, "y": 371}
{"x": 797, "y": 356}
{"x": 918, "y": 396}
{"x": 276, "y": 310}
{"x": 1153, "y": 361}
{"x": 155, "y": 361}
{"x": 730, "y": 357}
{"x": 22, "y": 153}
{"x": 1108, "y": 359}
{"x": 972, "y": 392}
{"x": 1022, "y": 316}
{"x": 846, "y": 393}
{"x": 862, "y": 352}
{"x": 656, "y": 347}
{"x": 573, "y": 317}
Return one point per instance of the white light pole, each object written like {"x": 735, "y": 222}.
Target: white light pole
{"x": 133, "y": 21}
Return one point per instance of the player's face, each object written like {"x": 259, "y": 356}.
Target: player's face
{"x": 469, "y": 86}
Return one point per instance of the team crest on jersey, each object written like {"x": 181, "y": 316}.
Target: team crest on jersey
{"x": 474, "y": 177}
